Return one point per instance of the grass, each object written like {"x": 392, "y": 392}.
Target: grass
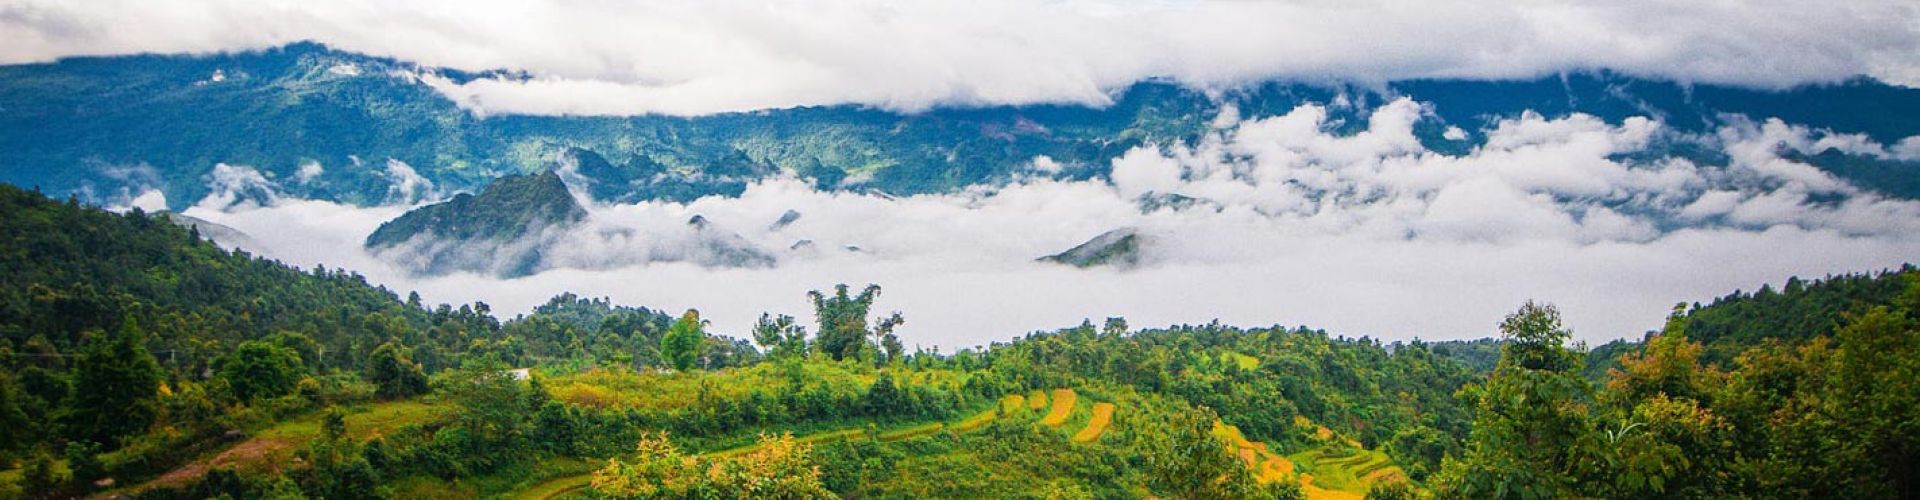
{"x": 275, "y": 445}
{"x": 1013, "y": 403}
{"x": 1037, "y": 400}
{"x": 1102, "y": 416}
{"x": 1244, "y": 361}
{"x": 559, "y": 487}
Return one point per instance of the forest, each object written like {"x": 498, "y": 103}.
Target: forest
{"x": 138, "y": 359}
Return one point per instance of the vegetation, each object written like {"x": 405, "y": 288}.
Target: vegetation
{"x": 141, "y": 360}
{"x": 283, "y": 109}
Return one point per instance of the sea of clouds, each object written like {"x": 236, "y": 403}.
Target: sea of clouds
{"x": 1366, "y": 233}
{"x": 691, "y": 57}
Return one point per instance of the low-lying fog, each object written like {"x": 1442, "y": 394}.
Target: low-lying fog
{"x": 1366, "y": 234}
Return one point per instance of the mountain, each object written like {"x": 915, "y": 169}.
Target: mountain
{"x": 316, "y": 122}
{"x": 222, "y": 234}
{"x": 499, "y": 231}
{"x": 1118, "y": 248}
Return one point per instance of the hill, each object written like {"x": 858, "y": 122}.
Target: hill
{"x": 499, "y": 231}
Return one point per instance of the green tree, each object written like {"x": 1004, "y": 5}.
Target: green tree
{"x": 1186, "y": 460}
{"x": 19, "y": 427}
{"x": 781, "y": 338}
{"x": 843, "y": 328}
{"x": 681, "y": 345}
{"x": 116, "y": 387}
{"x": 1529, "y": 415}
{"x": 393, "y": 372}
{"x": 83, "y": 460}
{"x": 258, "y": 369}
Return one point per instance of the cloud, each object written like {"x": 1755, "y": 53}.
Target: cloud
{"x": 404, "y": 185}
{"x": 689, "y": 57}
{"x": 309, "y": 171}
{"x": 1361, "y": 233}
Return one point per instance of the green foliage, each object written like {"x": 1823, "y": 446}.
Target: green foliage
{"x": 1800, "y": 311}
{"x": 1529, "y": 416}
{"x": 843, "y": 327}
{"x": 780, "y": 337}
{"x": 116, "y": 387}
{"x": 779, "y": 467}
{"x": 83, "y": 463}
{"x": 394, "y": 373}
{"x": 258, "y": 369}
{"x": 14, "y": 419}
{"x": 682, "y": 344}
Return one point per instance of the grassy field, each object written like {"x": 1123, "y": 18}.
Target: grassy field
{"x": 269, "y": 448}
{"x": 561, "y": 487}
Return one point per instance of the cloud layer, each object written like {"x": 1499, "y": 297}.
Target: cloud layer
{"x": 691, "y": 57}
{"x": 1361, "y": 233}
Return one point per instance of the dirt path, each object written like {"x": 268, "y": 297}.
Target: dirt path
{"x": 254, "y": 451}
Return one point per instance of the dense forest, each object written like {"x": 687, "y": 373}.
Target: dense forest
{"x": 139, "y": 359}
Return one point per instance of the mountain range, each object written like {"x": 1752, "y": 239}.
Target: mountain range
{"x": 320, "y": 123}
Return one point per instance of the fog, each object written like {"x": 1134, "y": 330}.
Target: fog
{"x": 1361, "y": 234}
{"x": 691, "y": 57}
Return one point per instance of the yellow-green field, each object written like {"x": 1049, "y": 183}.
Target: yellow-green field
{"x": 1102, "y": 416}
{"x": 1333, "y": 471}
{"x": 1063, "y": 403}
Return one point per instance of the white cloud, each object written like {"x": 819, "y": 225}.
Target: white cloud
{"x": 702, "y": 56}
{"x": 405, "y": 186}
{"x": 1362, "y": 234}
{"x": 309, "y": 171}
{"x": 237, "y": 185}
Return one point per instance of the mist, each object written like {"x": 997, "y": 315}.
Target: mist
{"x": 1367, "y": 233}
{"x": 693, "y": 57}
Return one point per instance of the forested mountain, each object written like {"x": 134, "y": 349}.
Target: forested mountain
{"x": 1797, "y": 313}
{"x": 327, "y": 124}
{"x": 502, "y": 230}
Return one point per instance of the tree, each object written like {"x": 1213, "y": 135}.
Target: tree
{"x": 393, "y": 373}
{"x": 14, "y": 419}
{"x": 681, "y": 345}
{"x": 843, "y": 331}
{"x": 116, "y": 387}
{"x": 258, "y": 369}
{"x": 780, "y": 337}
{"x": 1529, "y": 415}
{"x": 1188, "y": 461}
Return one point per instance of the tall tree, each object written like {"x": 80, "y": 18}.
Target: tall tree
{"x": 116, "y": 386}
{"x": 259, "y": 369}
{"x": 682, "y": 343}
{"x": 1529, "y": 414}
{"x": 780, "y": 336}
{"x": 843, "y": 331}
{"x": 393, "y": 373}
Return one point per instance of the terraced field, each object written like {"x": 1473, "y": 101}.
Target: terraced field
{"x": 1063, "y": 403}
{"x": 1102, "y": 416}
{"x": 1060, "y": 406}
{"x": 1330, "y": 472}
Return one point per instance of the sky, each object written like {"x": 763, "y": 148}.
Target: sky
{"x": 691, "y": 57}
{"x": 1361, "y": 234}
